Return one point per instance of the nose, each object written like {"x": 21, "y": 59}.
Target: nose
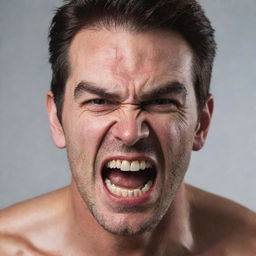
{"x": 130, "y": 128}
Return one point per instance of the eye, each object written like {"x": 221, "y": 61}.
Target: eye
{"x": 161, "y": 105}
{"x": 98, "y": 101}
{"x": 160, "y": 102}
{"x": 99, "y": 105}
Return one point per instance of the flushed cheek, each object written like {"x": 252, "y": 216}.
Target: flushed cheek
{"x": 176, "y": 147}
{"x": 87, "y": 132}
{"x": 176, "y": 143}
{"x": 84, "y": 142}
{"x": 168, "y": 134}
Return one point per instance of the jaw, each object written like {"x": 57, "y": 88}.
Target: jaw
{"x": 126, "y": 216}
{"x": 132, "y": 230}
{"x": 121, "y": 214}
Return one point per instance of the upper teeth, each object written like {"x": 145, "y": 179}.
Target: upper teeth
{"x": 125, "y": 165}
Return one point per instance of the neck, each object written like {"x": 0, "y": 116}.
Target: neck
{"x": 172, "y": 236}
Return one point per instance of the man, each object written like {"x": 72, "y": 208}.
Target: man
{"x": 129, "y": 101}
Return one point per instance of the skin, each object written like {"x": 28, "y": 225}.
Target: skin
{"x": 126, "y": 131}
{"x": 175, "y": 219}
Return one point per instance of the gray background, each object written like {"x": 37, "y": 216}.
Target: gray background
{"x": 31, "y": 165}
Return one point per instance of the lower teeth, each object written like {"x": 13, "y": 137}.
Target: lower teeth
{"x": 128, "y": 192}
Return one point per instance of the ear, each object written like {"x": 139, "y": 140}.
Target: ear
{"x": 203, "y": 123}
{"x": 55, "y": 125}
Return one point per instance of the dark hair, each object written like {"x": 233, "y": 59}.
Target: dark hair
{"x": 183, "y": 16}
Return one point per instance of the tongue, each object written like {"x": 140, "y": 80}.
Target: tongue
{"x": 130, "y": 180}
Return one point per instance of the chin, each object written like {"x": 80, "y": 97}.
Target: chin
{"x": 129, "y": 224}
{"x": 128, "y": 221}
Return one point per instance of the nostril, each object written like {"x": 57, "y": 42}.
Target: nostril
{"x": 130, "y": 128}
{"x": 130, "y": 131}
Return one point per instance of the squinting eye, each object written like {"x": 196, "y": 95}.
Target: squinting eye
{"x": 160, "y": 102}
{"x": 99, "y": 101}
{"x": 161, "y": 105}
{"x": 99, "y": 105}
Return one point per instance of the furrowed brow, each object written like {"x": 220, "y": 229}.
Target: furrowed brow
{"x": 167, "y": 88}
{"x": 87, "y": 87}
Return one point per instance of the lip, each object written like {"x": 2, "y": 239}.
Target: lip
{"x": 132, "y": 201}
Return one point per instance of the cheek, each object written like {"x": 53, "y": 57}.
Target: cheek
{"x": 174, "y": 135}
{"x": 83, "y": 137}
{"x": 85, "y": 134}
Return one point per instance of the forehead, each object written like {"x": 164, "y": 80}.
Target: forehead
{"x": 120, "y": 58}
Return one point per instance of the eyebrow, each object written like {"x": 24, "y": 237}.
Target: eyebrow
{"x": 89, "y": 87}
{"x": 173, "y": 87}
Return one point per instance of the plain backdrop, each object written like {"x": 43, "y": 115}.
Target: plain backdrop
{"x": 31, "y": 165}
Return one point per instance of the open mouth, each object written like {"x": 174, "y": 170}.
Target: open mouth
{"x": 129, "y": 178}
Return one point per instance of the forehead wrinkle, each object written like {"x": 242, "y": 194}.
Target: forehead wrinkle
{"x": 136, "y": 54}
{"x": 138, "y": 74}
{"x": 131, "y": 62}
{"x": 146, "y": 73}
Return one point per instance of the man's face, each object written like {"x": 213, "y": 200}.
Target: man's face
{"x": 129, "y": 122}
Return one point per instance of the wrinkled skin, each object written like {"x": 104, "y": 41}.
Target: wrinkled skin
{"x": 130, "y": 66}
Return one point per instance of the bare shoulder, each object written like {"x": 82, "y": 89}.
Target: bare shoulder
{"x": 26, "y": 216}
{"x": 221, "y": 224}
{"x": 23, "y": 225}
{"x": 18, "y": 245}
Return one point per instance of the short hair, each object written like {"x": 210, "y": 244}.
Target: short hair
{"x": 185, "y": 17}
